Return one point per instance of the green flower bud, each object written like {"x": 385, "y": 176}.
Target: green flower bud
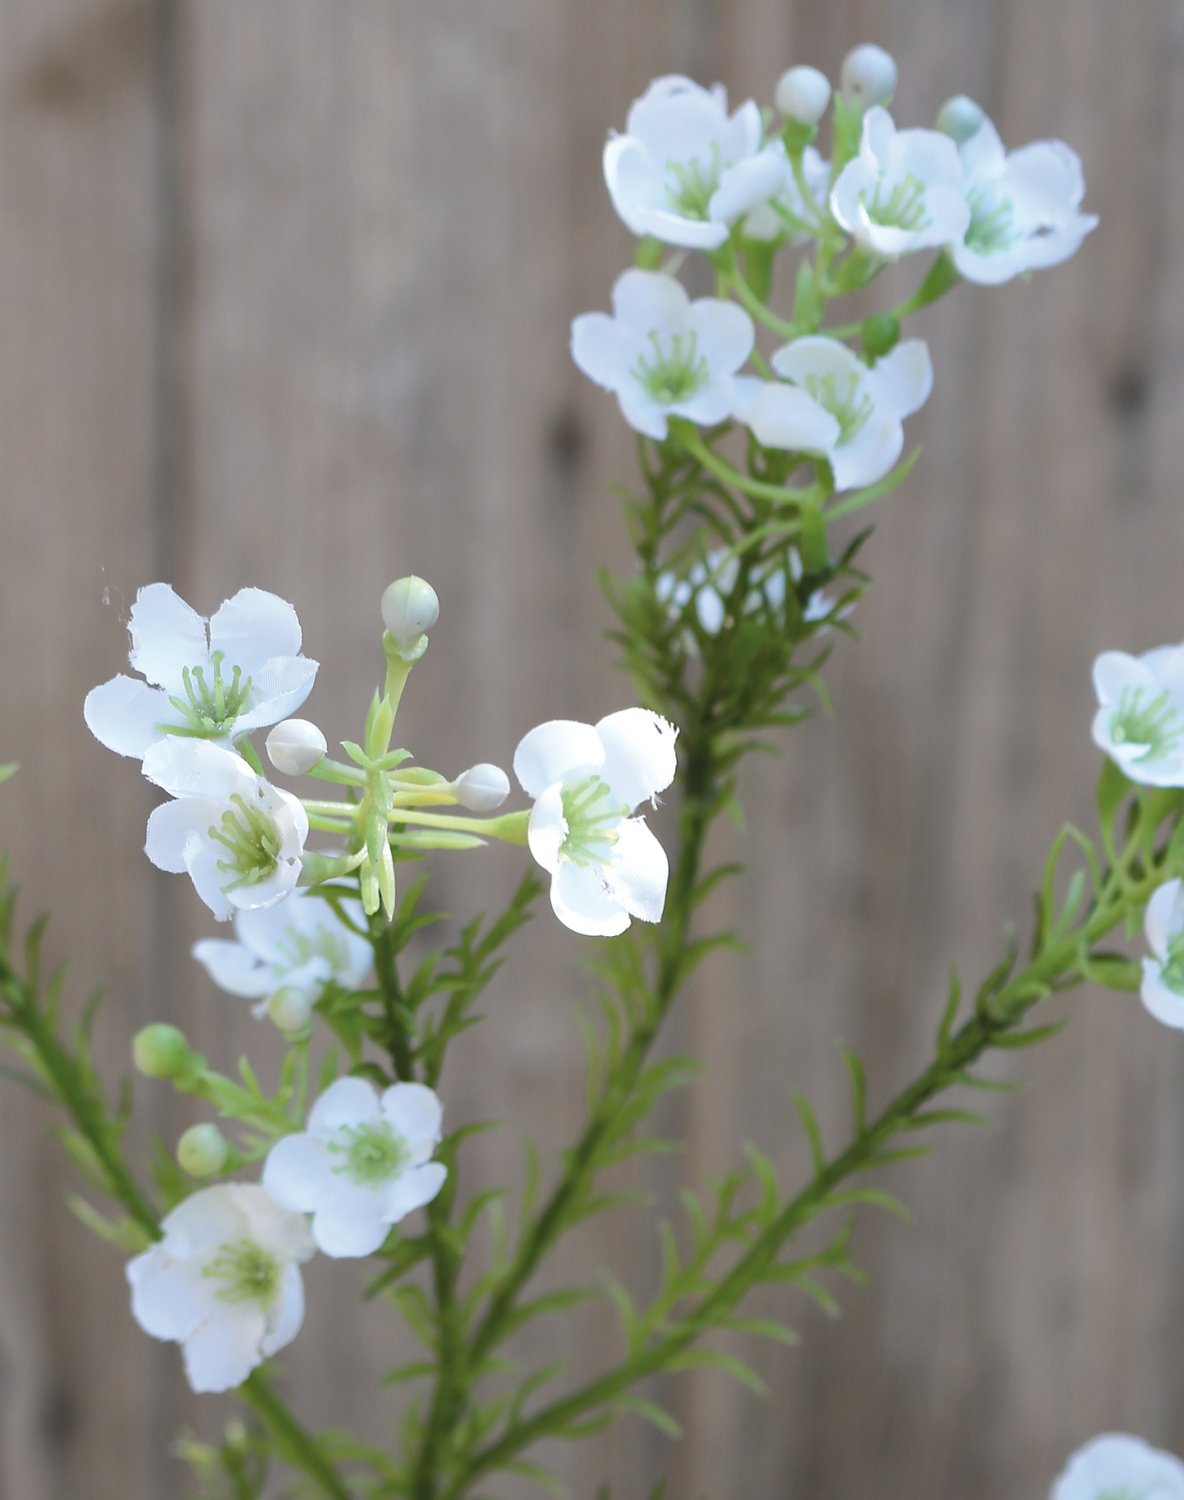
{"x": 160, "y": 1051}
{"x": 960, "y": 118}
{"x": 880, "y": 334}
{"x": 410, "y": 607}
{"x": 203, "y": 1151}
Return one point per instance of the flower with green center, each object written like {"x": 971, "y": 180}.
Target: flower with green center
{"x": 224, "y": 1282}
{"x": 1162, "y": 989}
{"x": 239, "y": 838}
{"x": 1140, "y": 718}
{"x": 662, "y": 354}
{"x": 1025, "y": 207}
{"x": 362, "y": 1165}
{"x": 210, "y": 680}
{"x": 903, "y": 192}
{"x": 605, "y": 865}
{"x": 1116, "y": 1466}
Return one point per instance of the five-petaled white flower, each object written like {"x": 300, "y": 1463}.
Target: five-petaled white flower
{"x": 1116, "y": 1466}
{"x": 215, "y": 681}
{"x": 1140, "y": 720}
{"x": 223, "y": 1282}
{"x": 685, "y": 170}
{"x": 1024, "y": 207}
{"x": 663, "y": 354}
{"x": 1162, "y": 990}
{"x": 838, "y": 407}
{"x": 295, "y": 948}
{"x": 238, "y": 837}
{"x": 362, "y": 1164}
{"x": 605, "y": 865}
{"x": 903, "y": 192}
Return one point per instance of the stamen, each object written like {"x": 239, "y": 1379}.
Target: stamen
{"x": 846, "y": 400}
{"x": 374, "y": 1153}
{"x": 209, "y": 709}
{"x": 591, "y": 822}
{"x": 250, "y": 838}
{"x": 992, "y": 224}
{"x": 675, "y": 374}
{"x": 690, "y": 185}
{"x": 1141, "y": 719}
{"x": 247, "y": 1272}
{"x": 900, "y": 207}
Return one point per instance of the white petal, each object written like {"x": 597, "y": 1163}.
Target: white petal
{"x": 846, "y": 198}
{"x": 170, "y": 1298}
{"x": 645, "y": 300}
{"x": 601, "y": 347}
{"x": 125, "y": 714}
{"x": 868, "y": 456}
{"x": 167, "y": 636}
{"x": 983, "y": 154}
{"x": 714, "y": 403}
{"x": 640, "y": 871}
{"x": 546, "y": 828}
{"x": 252, "y": 628}
{"x": 196, "y": 768}
{"x": 348, "y": 1103}
{"x": 224, "y": 1351}
{"x": 278, "y": 886}
{"x": 931, "y": 156}
{"x": 234, "y": 968}
{"x": 788, "y": 417}
{"x": 690, "y": 234}
{"x": 547, "y": 753}
{"x": 205, "y": 1220}
{"x": 285, "y": 1319}
{"x": 642, "y": 412}
{"x": 902, "y": 380}
{"x": 349, "y": 1223}
{"x": 202, "y": 860}
{"x": 1162, "y": 1002}
{"x": 1045, "y": 182}
{"x": 678, "y": 121}
{"x": 724, "y": 332}
{"x": 415, "y": 1112}
{"x": 299, "y": 1172}
{"x": 639, "y": 755}
{"x": 1162, "y": 920}
{"x": 278, "y": 688}
{"x": 414, "y": 1188}
{"x": 751, "y": 182}
{"x": 1115, "y": 671}
{"x": 745, "y": 390}
{"x": 634, "y": 182}
{"x": 819, "y": 356}
{"x": 173, "y": 826}
{"x": 1117, "y": 1464}
{"x": 583, "y": 901}
{"x": 273, "y": 1227}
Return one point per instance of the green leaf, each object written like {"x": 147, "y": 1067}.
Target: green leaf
{"x": 810, "y": 1121}
{"x": 650, "y": 1412}
{"x": 8, "y": 770}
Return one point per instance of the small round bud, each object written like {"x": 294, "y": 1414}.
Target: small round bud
{"x": 482, "y": 788}
{"x": 880, "y": 334}
{"x": 802, "y": 94}
{"x": 203, "y": 1151}
{"x": 960, "y": 118}
{"x": 291, "y": 1010}
{"x": 160, "y": 1051}
{"x": 295, "y": 746}
{"x": 869, "y": 76}
{"x": 410, "y": 607}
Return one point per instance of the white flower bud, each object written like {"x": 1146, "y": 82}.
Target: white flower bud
{"x": 295, "y": 746}
{"x": 802, "y": 95}
{"x": 960, "y": 118}
{"x": 869, "y": 76}
{"x": 482, "y": 788}
{"x": 291, "y": 1010}
{"x": 410, "y": 607}
{"x": 203, "y": 1150}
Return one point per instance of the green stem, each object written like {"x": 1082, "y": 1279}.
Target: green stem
{"x": 688, "y": 438}
{"x": 290, "y": 1439}
{"x": 398, "y": 1040}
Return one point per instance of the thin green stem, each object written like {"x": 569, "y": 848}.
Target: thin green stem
{"x": 290, "y": 1439}
{"x": 688, "y": 438}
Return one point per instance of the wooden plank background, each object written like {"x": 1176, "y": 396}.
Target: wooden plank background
{"x": 284, "y": 291}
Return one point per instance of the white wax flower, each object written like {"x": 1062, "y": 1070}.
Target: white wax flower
{"x": 215, "y": 680}
{"x": 605, "y": 865}
{"x": 363, "y": 1164}
{"x": 662, "y": 354}
{"x": 239, "y": 838}
{"x": 786, "y": 211}
{"x": 297, "y": 947}
{"x": 837, "y": 407}
{"x": 903, "y": 192}
{"x": 1024, "y": 207}
{"x": 223, "y": 1282}
{"x": 685, "y": 170}
{"x": 1140, "y": 719}
{"x": 1162, "y": 990}
{"x": 1116, "y": 1466}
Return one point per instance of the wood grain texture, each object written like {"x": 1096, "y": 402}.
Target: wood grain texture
{"x": 285, "y": 287}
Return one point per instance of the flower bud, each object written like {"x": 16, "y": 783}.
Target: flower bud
{"x": 291, "y": 1010}
{"x": 482, "y": 788}
{"x": 203, "y": 1151}
{"x": 880, "y": 334}
{"x": 802, "y": 95}
{"x": 295, "y": 746}
{"x": 960, "y": 118}
{"x": 410, "y": 607}
{"x": 869, "y": 76}
{"x": 160, "y": 1051}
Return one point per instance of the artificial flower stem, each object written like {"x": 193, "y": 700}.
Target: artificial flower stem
{"x": 337, "y": 772}
{"x": 510, "y": 827}
{"x": 687, "y": 438}
{"x": 290, "y": 1439}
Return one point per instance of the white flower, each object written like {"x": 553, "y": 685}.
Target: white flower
{"x": 684, "y": 170}
{"x": 1024, "y": 207}
{"x": 223, "y": 1282}
{"x": 1162, "y": 990}
{"x": 709, "y": 582}
{"x": 903, "y": 192}
{"x": 239, "y": 838}
{"x": 362, "y": 1165}
{"x": 786, "y": 212}
{"x": 1116, "y": 1466}
{"x": 663, "y": 354}
{"x": 1140, "y": 721}
{"x": 868, "y": 76}
{"x": 838, "y": 407}
{"x": 215, "y": 682}
{"x": 605, "y": 865}
{"x": 297, "y": 947}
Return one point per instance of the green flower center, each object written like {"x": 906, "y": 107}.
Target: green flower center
{"x": 297, "y": 948}
{"x": 1145, "y": 718}
{"x": 209, "y": 708}
{"x": 845, "y": 398}
{"x": 690, "y": 185}
{"x": 250, "y": 839}
{"x": 372, "y": 1154}
{"x": 592, "y": 818}
{"x": 901, "y": 206}
{"x": 673, "y": 373}
{"x": 992, "y": 224}
{"x": 1172, "y": 969}
{"x": 247, "y": 1273}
